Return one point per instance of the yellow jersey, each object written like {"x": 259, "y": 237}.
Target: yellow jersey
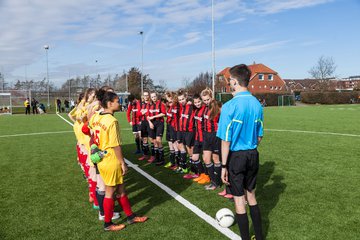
{"x": 106, "y": 134}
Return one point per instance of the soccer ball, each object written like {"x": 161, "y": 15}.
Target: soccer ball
{"x": 225, "y": 217}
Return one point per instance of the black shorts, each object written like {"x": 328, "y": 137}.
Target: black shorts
{"x": 198, "y": 147}
{"x": 212, "y": 143}
{"x": 243, "y": 167}
{"x": 186, "y": 138}
{"x": 136, "y": 128}
{"x": 144, "y": 129}
{"x": 158, "y": 130}
{"x": 170, "y": 133}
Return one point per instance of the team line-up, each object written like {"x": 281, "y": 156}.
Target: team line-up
{"x": 197, "y": 127}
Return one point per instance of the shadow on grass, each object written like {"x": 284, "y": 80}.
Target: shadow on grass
{"x": 268, "y": 190}
{"x": 148, "y": 195}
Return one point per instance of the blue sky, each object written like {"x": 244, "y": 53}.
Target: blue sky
{"x": 288, "y": 36}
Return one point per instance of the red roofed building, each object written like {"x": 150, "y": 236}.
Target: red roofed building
{"x": 263, "y": 80}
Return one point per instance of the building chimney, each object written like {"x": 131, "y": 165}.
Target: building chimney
{"x": 254, "y": 63}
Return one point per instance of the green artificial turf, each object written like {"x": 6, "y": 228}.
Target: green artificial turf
{"x": 308, "y": 183}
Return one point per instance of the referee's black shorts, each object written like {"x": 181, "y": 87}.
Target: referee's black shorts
{"x": 158, "y": 130}
{"x": 144, "y": 129}
{"x": 243, "y": 167}
{"x": 186, "y": 138}
{"x": 211, "y": 142}
{"x": 170, "y": 133}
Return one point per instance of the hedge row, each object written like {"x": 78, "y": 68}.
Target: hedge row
{"x": 271, "y": 99}
{"x": 330, "y": 97}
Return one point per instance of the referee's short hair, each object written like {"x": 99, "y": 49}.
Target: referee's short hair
{"x": 241, "y": 73}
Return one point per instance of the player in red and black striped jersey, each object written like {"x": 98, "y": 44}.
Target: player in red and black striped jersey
{"x": 157, "y": 111}
{"x": 172, "y": 121}
{"x": 133, "y": 116}
{"x": 201, "y": 177}
{"x": 144, "y": 127}
{"x": 211, "y": 144}
{"x": 186, "y": 133}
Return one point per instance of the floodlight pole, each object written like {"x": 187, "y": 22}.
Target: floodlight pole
{"x": 46, "y": 47}
{"x": 213, "y": 47}
{"x": 142, "y": 62}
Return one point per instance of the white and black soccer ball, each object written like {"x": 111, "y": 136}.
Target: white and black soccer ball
{"x": 225, "y": 217}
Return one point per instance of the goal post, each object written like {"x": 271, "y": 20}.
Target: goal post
{"x": 286, "y": 100}
{"x": 5, "y": 103}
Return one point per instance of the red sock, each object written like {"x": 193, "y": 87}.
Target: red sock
{"x": 93, "y": 192}
{"x": 108, "y": 209}
{"x": 125, "y": 204}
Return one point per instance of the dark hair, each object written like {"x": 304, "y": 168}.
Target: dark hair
{"x": 241, "y": 73}
{"x": 131, "y": 98}
{"x": 196, "y": 96}
{"x": 108, "y": 97}
{"x": 182, "y": 92}
{"x": 88, "y": 92}
{"x": 100, "y": 93}
{"x": 81, "y": 96}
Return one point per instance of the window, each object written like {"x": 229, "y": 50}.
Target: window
{"x": 271, "y": 87}
{"x": 265, "y": 86}
{"x": 261, "y": 77}
{"x": 270, "y": 77}
{"x": 252, "y": 86}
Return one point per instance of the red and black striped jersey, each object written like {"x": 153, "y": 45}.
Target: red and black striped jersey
{"x": 210, "y": 125}
{"x": 199, "y": 120}
{"x": 144, "y": 106}
{"x": 186, "y": 121}
{"x": 172, "y": 115}
{"x": 157, "y": 108}
{"x": 134, "y": 110}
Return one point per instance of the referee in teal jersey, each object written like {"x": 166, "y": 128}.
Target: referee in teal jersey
{"x": 241, "y": 130}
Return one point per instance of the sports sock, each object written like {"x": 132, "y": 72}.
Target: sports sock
{"x": 211, "y": 171}
{"x": 217, "y": 170}
{"x": 161, "y": 154}
{"x": 172, "y": 157}
{"x": 177, "y": 157}
{"x": 199, "y": 166}
{"x": 256, "y": 221}
{"x": 137, "y": 141}
{"x": 125, "y": 204}
{"x": 192, "y": 166}
{"x": 108, "y": 209}
{"x": 100, "y": 195}
{"x": 183, "y": 160}
{"x": 152, "y": 150}
{"x": 243, "y": 223}
{"x": 93, "y": 192}
{"x": 156, "y": 154}
{"x": 146, "y": 149}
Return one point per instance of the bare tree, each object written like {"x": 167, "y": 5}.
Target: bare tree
{"x": 324, "y": 68}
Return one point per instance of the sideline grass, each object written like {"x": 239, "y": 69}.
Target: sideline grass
{"x": 307, "y": 186}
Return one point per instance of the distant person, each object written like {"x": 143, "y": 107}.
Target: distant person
{"x": 72, "y": 104}
{"x": 42, "y": 107}
{"x": 241, "y": 130}
{"x": 58, "y": 103}
{"x": 27, "y": 106}
{"x": 34, "y": 104}
{"x": 67, "y": 105}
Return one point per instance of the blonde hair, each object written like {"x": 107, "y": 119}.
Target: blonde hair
{"x": 214, "y": 107}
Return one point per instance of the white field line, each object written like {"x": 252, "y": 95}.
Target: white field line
{"x": 32, "y": 134}
{"x": 313, "y": 132}
{"x": 227, "y": 232}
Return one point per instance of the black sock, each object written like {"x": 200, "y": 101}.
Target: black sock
{"x": 100, "y": 195}
{"x": 137, "y": 141}
{"x": 161, "y": 154}
{"x": 146, "y": 149}
{"x": 243, "y": 223}
{"x": 108, "y": 224}
{"x": 256, "y": 221}
{"x": 183, "y": 160}
{"x": 217, "y": 170}
{"x": 152, "y": 150}
{"x": 172, "y": 157}
{"x": 192, "y": 166}
{"x": 177, "y": 157}
{"x": 156, "y": 150}
{"x": 199, "y": 166}
{"x": 211, "y": 171}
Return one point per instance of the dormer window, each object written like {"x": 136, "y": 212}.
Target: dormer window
{"x": 270, "y": 77}
{"x": 261, "y": 77}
